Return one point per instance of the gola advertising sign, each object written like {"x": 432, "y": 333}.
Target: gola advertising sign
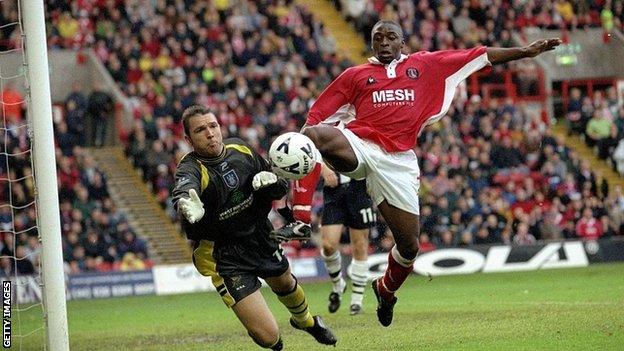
{"x": 495, "y": 259}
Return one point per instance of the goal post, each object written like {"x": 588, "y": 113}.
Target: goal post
{"x": 40, "y": 106}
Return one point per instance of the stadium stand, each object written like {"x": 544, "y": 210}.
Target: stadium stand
{"x": 489, "y": 168}
{"x": 216, "y": 57}
{"x": 96, "y": 234}
{"x": 493, "y": 172}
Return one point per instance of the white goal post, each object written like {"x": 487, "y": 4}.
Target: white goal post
{"x": 40, "y": 106}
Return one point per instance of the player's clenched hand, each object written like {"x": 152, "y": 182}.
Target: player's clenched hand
{"x": 192, "y": 208}
{"x": 542, "y": 45}
{"x": 263, "y": 179}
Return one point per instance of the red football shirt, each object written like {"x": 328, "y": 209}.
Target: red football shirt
{"x": 394, "y": 102}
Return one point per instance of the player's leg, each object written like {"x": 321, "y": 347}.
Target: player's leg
{"x": 361, "y": 217}
{"x": 359, "y": 267}
{"x": 260, "y": 323}
{"x": 333, "y": 217}
{"x": 405, "y": 228}
{"x": 239, "y": 290}
{"x": 330, "y": 236}
{"x": 339, "y": 155}
{"x": 274, "y": 268}
{"x": 393, "y": 183}
{"x": 336, "y": 152}
{"x": 291, "y": 295}
{"x": 333, "y": 146}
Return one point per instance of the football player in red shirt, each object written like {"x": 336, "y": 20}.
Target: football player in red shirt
{"x": 393, "y": 97}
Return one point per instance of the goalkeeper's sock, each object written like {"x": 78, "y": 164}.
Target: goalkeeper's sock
{"x": 359, "y": 276}
{"x": 296, "y": 303}
{"x": 399, "y": 268}
{"x": 276, "y": 346}
{"x": 303, "y": 192}
{"x": 333, "y": 264}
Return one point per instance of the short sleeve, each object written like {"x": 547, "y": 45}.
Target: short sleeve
{"x": 458, "y": 63}
{"x": 336, "y": 95}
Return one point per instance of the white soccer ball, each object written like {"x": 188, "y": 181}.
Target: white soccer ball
{"x": 292, "y": 156}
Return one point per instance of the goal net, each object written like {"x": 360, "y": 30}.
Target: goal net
{"x": 30, "y": 245}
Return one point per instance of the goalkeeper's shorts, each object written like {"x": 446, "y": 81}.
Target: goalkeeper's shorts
{"x": 236, "y": 267}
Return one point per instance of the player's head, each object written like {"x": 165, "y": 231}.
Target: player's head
{"x": 387, "y": 41}
{"x": 202, "y": 131}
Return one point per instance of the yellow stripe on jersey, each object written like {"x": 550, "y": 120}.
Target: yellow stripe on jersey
{"x": 207, "y": 266}
{"x": 205, "y": 177}
{"x": 240, "y": 148}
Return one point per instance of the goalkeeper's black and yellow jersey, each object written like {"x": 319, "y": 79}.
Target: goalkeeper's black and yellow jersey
{"x": 223, "y": 183}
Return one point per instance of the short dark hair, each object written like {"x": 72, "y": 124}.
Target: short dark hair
{"x": 387, "y": 23}
{"x": 190, "y": 112}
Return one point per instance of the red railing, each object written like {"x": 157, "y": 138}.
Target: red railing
{"x": 588, "y": 85}
{"x": 505, "y": 87}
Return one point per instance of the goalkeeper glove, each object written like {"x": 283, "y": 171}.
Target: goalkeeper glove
{"x": 263, "y": 179}
{"x": 192, "y": 208}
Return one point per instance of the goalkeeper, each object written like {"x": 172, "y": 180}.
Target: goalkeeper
{"x": 223, "y": 193}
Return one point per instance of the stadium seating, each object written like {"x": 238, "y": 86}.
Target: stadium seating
{"x": 496, "y": 175}
{"x": 488, "y": 167}
{"x": 259, "y": 86}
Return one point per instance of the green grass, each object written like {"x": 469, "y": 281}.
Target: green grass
{"x": 566, "y": 309}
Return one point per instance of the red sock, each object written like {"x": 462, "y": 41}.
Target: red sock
{"x": 394, "y": 276}
{"x": 303, "y": 192}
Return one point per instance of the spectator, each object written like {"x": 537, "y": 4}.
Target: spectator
{"x": 23, "y": 264}
{"x": 523, "y": 237}
{"x": 100, "y": 108}
{"x": 576, "y": 124}
{"x": 74, "y": 118}
{"x": 504, "y": 155}
{"x": 588, "y": 227}
{"x": 601, "y": 133}
{"x": 12, "y": 104}
{"x": 130, "y": 262}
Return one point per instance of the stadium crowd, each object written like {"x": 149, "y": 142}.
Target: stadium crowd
{"x": 446, "y": 24}
{"x": 96, "y": 235}
{"x": 491, "y": 173}
{"x": 257, "y": 64}
{"x": 599, "y": 119}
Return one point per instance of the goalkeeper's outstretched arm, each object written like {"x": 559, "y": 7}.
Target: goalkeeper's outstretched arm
{"x": 187, "y": 191}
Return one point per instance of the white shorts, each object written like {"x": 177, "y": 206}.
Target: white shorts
{"x": 390, "y": 176}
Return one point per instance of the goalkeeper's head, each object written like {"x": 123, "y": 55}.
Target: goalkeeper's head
{"x": 202, "y": 131}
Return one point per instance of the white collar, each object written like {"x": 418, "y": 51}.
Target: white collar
{"x": 375, "y": 61}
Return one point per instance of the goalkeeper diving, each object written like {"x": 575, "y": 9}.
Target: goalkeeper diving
{"x": 223, "y": 193}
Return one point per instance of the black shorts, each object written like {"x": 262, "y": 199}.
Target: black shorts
{"x": 348, "y": 204}
{"x": 236, "y": 267}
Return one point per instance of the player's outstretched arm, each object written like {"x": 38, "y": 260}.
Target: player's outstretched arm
{"x": 502, "y": 55}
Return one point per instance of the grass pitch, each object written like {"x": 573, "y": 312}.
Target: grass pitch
{"x": 564, "y": 309}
